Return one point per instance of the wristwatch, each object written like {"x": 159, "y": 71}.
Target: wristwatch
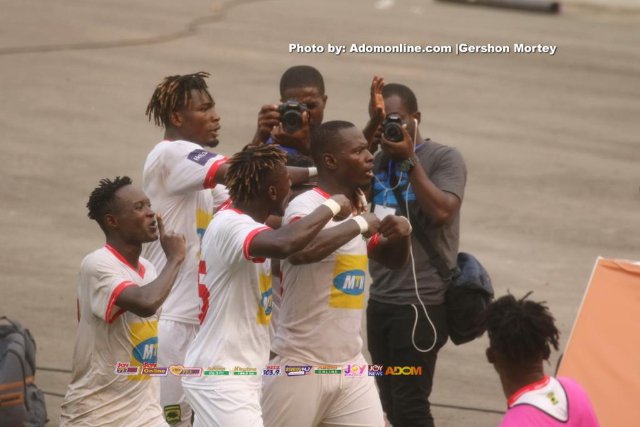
{"x": 407, "y": 165}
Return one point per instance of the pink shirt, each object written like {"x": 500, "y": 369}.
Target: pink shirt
{"x": 548, "y": 403}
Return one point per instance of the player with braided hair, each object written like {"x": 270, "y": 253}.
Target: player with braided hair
{"x": 521, "y": 335}
{"x": 235, "y": 270}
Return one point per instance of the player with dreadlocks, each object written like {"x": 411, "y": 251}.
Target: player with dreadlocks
{"x": 119, "y": 293}
{"x": 235, "y": 270}
{"x": 521, "y": 335}
{"x": 183, "y": 180}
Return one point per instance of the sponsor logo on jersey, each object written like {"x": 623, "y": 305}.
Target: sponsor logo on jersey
{"x": 355, "y": 370}
{"x": 272, "y": 371}
{"x": 263, "y": 315}
{"x": 348, "y": 281}
{"x": 143, "y": 337}
{"x": 199, "y": 156}
{"x": 146, "y": 351}
{"x": 297, "y": 370}
{"x": 375, "y": 370}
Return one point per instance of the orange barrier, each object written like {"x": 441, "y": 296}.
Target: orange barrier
{"x": 603, "y": 351}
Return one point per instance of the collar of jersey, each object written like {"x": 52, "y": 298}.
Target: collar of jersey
{"x": 529, "y": 387}
{"x": 140, "y": 270}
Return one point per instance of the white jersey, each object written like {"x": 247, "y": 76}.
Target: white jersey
{"x": 321, "y": 303}
{"x": 107, "y": 337}
{"x": 179, "y": 179}
{"x": 235, "y": 332}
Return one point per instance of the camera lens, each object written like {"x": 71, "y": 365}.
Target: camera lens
{"x": 291, "y": 115}
{"x": 392, "y": 126}
{"x": 291, "y": 121}
{"x": 393, "y": 132}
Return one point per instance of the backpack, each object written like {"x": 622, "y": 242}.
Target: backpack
{"x": 468, "y": 295}
{"x": 21, "y": 401}
{"x": 469, "y": 291}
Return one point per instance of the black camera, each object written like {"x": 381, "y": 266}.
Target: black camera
{"x": 392, "y": 125}
{"x": 291, "y": 115}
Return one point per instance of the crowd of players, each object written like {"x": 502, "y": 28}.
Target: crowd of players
{"x": 259, "y": 260}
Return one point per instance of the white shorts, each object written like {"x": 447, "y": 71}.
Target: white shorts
{"x": 228, "y": 403}
{"x": 173, "y": 340}
{"x": 320, "y": 399}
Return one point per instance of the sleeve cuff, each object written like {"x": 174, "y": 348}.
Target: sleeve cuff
{"x": 247, "y": 243}
{"x": 210, "y": 179}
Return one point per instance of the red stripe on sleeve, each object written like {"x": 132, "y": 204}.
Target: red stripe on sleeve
{"x": 210, "y": 179}
{"x": 247, "y": 243}
{"x": 112, "y": 301}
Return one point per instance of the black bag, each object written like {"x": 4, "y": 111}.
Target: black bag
{"x": 469, "y": 293}
{"x": 470, "y": 289}
{"x": 21, "y": 402}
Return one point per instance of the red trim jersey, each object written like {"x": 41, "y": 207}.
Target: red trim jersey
{"x": 320, "y": 312}
{"x": 109, "y": 336}
{"x": 179, "y": 179}
{"x": 235, "y": 331}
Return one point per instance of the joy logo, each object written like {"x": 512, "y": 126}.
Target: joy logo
{"x": 267, "y": 301}
{"x": 147, "y": 351}
{"x": 376, "y": 370}
{"x": 350, "y": 282}
{"x": 355, "y": 370}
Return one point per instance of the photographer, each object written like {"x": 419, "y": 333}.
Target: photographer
{"x": 290, "y": 123}
{"x": 406, "y": 315}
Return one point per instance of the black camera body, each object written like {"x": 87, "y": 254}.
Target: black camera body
{"x": 291, "y": 115}
{"x": 392, "y": 126}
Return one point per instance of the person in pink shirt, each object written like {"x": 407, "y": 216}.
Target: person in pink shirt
{"x": 521, "y": 334}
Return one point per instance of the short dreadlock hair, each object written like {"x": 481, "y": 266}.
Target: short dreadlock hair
{"x": 173, "y": 94}
{"x": 523, "y": 331}
{"x": 250, "y": 169}
{"x": 102, "y": 199}
{"x": 300, "y": 76}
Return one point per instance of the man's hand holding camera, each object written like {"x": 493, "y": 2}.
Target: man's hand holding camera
{"x": 292, "y": 129}
{"x": 268, "y": 118}
{"x": 396, "y": 141}
{"x": 287, "y": 124}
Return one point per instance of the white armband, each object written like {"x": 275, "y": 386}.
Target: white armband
{"x": 362, "y": 223}
{"x": 333, "y": 205}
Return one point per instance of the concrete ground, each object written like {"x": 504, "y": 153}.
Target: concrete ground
{"x": 551, "y": 142}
